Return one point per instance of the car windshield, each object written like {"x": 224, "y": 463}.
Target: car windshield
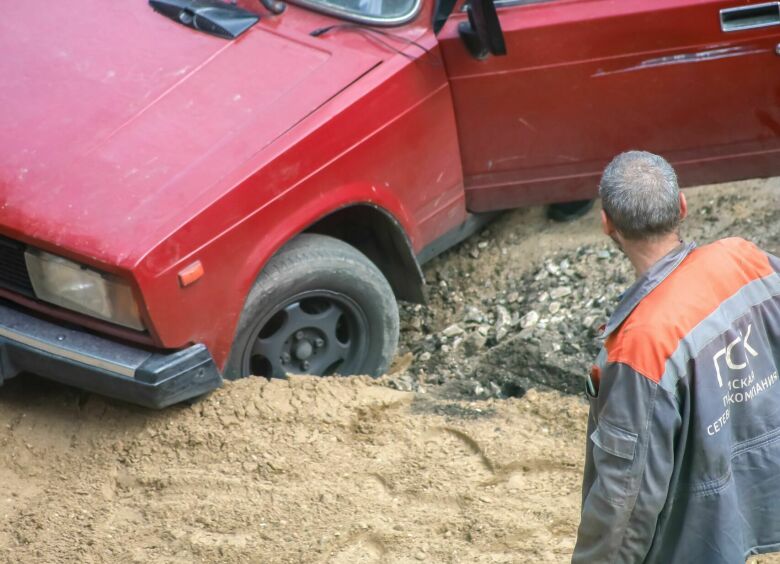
{"x": 375, "y": 12}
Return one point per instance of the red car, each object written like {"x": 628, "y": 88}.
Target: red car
{"x": 192, "y": 190}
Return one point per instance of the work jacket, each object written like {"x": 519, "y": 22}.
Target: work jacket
{"x": 683, "y": 450}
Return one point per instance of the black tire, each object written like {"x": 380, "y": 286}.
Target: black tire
{"x": 318, "y": 298}
{"x": 569, "y": 211}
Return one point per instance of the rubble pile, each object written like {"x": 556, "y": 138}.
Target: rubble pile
{"x": 519, "y": 306}
{"x": 540, "y": 329}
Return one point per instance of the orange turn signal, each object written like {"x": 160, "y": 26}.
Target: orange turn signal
{"x": 191, "y": 274}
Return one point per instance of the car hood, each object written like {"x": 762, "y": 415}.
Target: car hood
{"x": 115, "y": 122}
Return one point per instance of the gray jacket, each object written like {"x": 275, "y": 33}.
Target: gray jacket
{"x": 683, "y": 449}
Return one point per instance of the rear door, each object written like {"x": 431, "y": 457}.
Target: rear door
{"x": 586, "y": 79}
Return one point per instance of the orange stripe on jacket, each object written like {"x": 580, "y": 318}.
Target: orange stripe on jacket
{"x": 705, "y": 278}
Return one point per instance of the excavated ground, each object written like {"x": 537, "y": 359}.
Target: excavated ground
{"x": 475, "y": 456}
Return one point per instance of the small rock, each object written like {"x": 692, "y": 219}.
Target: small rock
{"x": 425, "y": 357}
{"x": 473, "y": 315}
{"x": 452, "y": 330}
{"x": 526, "y": 334}
{"x": 554, "y": 307}
{"x": 474, "y": 343}
{"x": 603, "y": 254}
{"x": 482, "y": 245}
{"x": 503, "y": 322}
{"x": 403, "y": 383}
{"x": 560, "y": 292}
{"x": 529, "y": 319}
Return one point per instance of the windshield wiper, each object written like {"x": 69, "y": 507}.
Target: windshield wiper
{"x": 368, "y": 31}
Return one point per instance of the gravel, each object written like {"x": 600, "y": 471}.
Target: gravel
{"x": 520, "y": 305}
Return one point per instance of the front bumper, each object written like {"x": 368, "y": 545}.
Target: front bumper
{"x": 97, "y": 364}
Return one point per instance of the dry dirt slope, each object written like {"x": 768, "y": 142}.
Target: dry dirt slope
{"x": 306, "y": 470}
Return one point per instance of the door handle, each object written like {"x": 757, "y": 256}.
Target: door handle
{"x": 750, "y": 17}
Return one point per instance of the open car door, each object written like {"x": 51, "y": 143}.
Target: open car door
{"x": 697, "y": 81}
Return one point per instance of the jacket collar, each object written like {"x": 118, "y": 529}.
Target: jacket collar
{"x": 646, "y": 284}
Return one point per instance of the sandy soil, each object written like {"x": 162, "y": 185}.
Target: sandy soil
{"x": 307, "y": 470}
{"x": 344, "y": 471}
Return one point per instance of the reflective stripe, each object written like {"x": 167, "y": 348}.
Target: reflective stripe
{"x": 704, "y": 281}
{"x": 750, "y": 295}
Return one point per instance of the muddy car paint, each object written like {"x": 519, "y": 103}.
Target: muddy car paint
{"x": 138, "y": 146}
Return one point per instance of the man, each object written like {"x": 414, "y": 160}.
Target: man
{"x": 683, "y": 450}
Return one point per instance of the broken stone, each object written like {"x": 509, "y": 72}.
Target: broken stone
{"x": 474, "y": 343}
{"x": 560, "y": 292}
{"x": 526, "y": 334}
{"x": 529, "y": 319}
{"x": 473, "y": 315}
{"x": 503, "y": 322}
{"x": 452, "y": 330}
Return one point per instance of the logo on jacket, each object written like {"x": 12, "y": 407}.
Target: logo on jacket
{"x": 728, "y": 351}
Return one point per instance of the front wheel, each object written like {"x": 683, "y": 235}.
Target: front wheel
{"x": 319, "y": 307}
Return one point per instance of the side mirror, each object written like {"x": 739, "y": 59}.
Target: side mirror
{"x": 482, "y": 33}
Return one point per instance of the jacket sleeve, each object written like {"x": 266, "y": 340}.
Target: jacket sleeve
{"x": 630, "y": 457}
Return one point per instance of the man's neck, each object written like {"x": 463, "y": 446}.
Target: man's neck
{"x": 644, "y": 254}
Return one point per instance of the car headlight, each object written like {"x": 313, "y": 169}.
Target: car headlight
{"x": 70, "y": 285}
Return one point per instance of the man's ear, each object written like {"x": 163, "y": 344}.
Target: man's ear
{"x": 683, "y": 206}
{"x": 606, "y": 224}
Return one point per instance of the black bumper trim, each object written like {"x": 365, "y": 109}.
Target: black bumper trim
{"x": 97, "y": 364}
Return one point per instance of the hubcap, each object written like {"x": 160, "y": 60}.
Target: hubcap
{"x": 317, "y": 332}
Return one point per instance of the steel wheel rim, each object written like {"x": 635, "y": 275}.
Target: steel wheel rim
{"x": 316, "y": 332}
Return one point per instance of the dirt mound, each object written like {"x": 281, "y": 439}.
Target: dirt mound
{"x": 305, "y": 470}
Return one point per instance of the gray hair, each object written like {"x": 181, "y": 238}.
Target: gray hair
{"x": 639, "y": 193}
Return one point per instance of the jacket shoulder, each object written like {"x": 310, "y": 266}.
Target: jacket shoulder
{"x": 692, "y": 292}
